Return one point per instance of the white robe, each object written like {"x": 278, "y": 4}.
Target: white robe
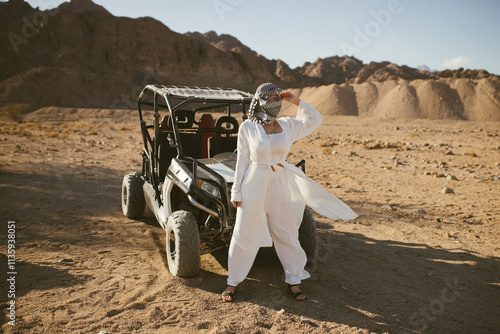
{"x": 254, "y": 172}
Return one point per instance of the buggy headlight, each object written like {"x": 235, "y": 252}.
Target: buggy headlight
{"x": 209, "y": 188}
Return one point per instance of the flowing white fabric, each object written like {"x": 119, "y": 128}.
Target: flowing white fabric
{"x": 255, "y": 171}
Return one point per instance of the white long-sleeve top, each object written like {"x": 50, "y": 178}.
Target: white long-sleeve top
{"x": 255, "y": 170}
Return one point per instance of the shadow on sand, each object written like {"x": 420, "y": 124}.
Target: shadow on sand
{"x": 380, "y": 285}
{"x": 377, "y": 285}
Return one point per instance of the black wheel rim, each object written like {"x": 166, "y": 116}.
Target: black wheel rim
{"x": 171, "y": 242}
{"x": 125, "y": 196}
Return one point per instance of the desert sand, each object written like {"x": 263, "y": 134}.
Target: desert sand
{"x": 422, "y": 257}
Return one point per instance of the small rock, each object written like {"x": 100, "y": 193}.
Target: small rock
{"x": 262, "y": 324}
{"x": 451, "y": 177}
{"x": 496, "y": 178}
{"x": 66, "y": 260}
{"x": 450, "y": 152}
{"x": 375, "y": 146}
{"x": 388, "y": 207}
{"x": 447, "y": 191}
{"x": 281, "y": 311}
{"x": 307, "y": 321}
{"x": 420, "y": 211}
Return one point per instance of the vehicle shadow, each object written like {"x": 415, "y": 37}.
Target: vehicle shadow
{"x": 41, "y": 276}
{"x": 55, "y": 209}
{"x": 27, "y": 277}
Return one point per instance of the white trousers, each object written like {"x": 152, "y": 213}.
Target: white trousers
{"x": 293, "y": 260}
{"x": 284, "y": 231}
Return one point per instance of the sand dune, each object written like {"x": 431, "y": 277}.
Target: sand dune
{"x": 455, "y": 99}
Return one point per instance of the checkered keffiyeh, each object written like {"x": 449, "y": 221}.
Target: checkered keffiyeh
{"x": 263, "y": 109}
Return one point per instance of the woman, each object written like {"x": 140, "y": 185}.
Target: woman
{"x": 270, "y": 194}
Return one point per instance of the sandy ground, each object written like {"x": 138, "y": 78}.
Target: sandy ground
{"x": 415, "y": 261}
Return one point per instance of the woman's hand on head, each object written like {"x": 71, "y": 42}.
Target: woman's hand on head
{"x": 236, "y": 204}
{"x": 289, "y": 97}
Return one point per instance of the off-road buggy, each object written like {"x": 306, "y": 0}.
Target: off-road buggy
{"x": 188, "y": 163}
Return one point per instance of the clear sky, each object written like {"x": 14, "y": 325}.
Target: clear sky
{"x": 438, "y": 33}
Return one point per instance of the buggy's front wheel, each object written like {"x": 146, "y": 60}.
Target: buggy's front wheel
{"x": 133, "y": 202}
{"x": 183, "y": 244}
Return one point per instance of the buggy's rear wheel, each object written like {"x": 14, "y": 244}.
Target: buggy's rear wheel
{"x": 308, "y": 238}
{"x": 183, "y": 244}
{"x": 133, "y": 202}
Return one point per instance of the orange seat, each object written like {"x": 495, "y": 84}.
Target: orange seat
{"x": 165, "y": 123}
{"x": 206, "y": 128}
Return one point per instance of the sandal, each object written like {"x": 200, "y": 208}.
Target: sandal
{"x": 228, "y": 296}
{"x": 297, "y": 294}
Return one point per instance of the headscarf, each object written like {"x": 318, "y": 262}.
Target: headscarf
{"x": 263, "y": 109}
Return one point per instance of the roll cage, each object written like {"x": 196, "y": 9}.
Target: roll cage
{"x": 179, "y": 127}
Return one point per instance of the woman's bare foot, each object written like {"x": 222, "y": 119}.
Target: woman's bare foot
{"x": 228, "y": 294}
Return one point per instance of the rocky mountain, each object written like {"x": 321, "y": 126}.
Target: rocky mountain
{"x": 80, "y": 6}
{"x": 276, "y": 70}
{"x": 337, "y": 70}
{"x": 79, "y": 55}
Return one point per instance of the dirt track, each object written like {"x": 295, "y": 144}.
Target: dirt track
{"x": 416, "y": 260}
